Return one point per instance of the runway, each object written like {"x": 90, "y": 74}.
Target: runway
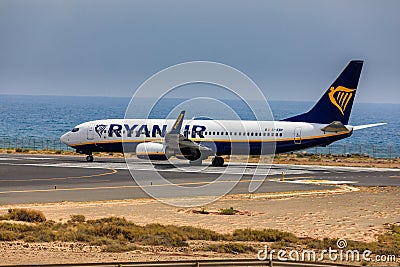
{"x": 47, "y": 178}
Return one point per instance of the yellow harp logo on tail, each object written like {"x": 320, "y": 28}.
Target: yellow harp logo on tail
{"x": 340, "y": 97}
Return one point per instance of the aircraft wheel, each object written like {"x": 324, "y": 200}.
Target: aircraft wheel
{"x": 196, "y": 162}
{"x": 218, "y": 162}
{"x": 89, "y": 158}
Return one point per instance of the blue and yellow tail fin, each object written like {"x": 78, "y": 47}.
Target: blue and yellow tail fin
{"x": 336, "y": 103}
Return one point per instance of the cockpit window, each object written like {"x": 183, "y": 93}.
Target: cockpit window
{"x": 75, "y": 130}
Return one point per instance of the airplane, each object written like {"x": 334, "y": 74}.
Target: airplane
{"x": 196, "y": 140}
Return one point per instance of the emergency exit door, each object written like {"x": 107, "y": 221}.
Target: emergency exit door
{"x": 90, "y": 132}
{"x": 297, "y": 135}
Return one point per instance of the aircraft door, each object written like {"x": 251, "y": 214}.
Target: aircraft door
{"x": 297, "y": 135}
{"x": 90, "y": 132}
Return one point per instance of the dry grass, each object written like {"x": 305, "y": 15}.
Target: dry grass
{"x": 116, "y": 234}
{"x": 25, "y": 215}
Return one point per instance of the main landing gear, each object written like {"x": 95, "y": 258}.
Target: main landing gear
{"x": 217, "y": 161}
{"x": 89, "y": 158}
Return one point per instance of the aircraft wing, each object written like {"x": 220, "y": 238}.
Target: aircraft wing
{"x": 359, "y": 127}
{"x": 175, "y": 141}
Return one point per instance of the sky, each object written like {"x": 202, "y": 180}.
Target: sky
{"x": 293, "y": 50}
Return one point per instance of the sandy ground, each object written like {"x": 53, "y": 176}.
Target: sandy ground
{"x": 349, "y": 213}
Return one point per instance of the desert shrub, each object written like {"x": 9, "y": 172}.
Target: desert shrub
{"x": 43, "y": 235}
{"x": 193, "y": 233}
{"x": 8, "y": 236}
{"x": 110, "y": 220}
{"x": 18, "y": 150}
{"x": 230, "y": 248}
{"x": 163, "y": 239}
{"x": 77, "y": 218}
{"x": 117, "y": 235}
{"x": 203, "y": 211}
{"x": 117, "y": 247}
{"x": 389, "y": 243}
{"x": 17, "y": 228}
{"x": 229, "y": 211}
{"x": 26, "y": 215}
{"x": 266, "y": 235}
{"x": 315, "y": 156}
{"x": 100, "y": 241}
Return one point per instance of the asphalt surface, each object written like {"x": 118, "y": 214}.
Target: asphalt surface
{"x": 48, "y": 178}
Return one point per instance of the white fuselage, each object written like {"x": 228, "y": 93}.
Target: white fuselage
{"x": 108, "y": 135}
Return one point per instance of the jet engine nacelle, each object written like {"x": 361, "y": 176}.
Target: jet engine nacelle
{"x": 190, "y": 154}
{"x": 152, "y": 151}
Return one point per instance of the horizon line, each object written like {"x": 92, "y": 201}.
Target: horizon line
{"x": 47, "y": 95}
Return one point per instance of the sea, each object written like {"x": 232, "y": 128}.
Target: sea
{"x": 46, "y": 118}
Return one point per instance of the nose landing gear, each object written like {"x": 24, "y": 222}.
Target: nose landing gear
{"x": 89, "y": 157}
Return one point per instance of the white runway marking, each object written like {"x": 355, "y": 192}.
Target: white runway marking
{"x": 261, "y": 171}
{"x": 8, "y": 159}
{"x": 183, "y": 166}
{"x": 34, "y": 158}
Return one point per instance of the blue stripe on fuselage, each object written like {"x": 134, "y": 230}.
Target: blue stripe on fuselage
{"x": 224, "y": 148}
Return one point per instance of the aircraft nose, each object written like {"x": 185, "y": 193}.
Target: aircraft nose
{"x": 65, "y": 138}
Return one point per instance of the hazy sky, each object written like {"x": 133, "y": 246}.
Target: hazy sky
{"x": 292, "y": 49}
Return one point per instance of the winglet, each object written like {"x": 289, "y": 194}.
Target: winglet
{"x": 176, "y": 128}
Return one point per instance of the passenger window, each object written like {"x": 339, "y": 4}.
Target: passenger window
{"x": 252, "y": 134}
{"x": 280, "y": 134}
{"x": 265, "y": 134}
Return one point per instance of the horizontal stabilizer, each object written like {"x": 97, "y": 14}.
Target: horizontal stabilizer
{"x": 359, "y": 127}
{"x": 335, "y": 127}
